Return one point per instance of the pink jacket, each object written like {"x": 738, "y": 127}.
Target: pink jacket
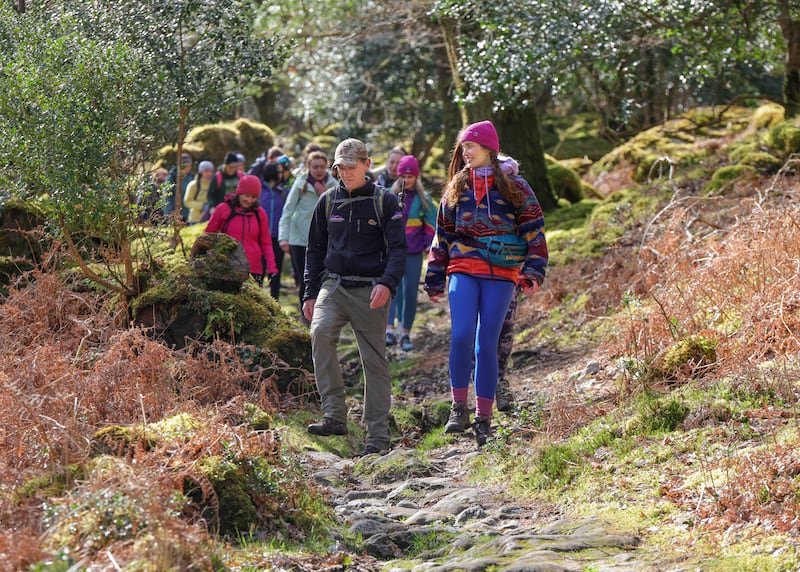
{"x": 251, "y": 229}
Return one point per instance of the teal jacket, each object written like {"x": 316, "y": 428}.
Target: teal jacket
{"x": 298, "y": 210}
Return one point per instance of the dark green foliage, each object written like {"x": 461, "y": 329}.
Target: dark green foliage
{"x": 663, "y": 415}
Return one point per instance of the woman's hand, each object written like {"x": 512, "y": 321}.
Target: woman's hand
{"x": 284, "y": 244}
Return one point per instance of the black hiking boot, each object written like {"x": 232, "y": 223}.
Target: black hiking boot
{"x": 459, "y": 418}
{"x": 503, "y": 397}
{"x": 371, "y": 450}
{"x": 327, "y": 427}
{"x": 482, "y": 428}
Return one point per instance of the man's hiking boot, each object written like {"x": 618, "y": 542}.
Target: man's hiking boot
{"x": 391, "y": 339}
{"x": 459, "y": 418}
{"x": 503, "y": 397}
{"x": 482, "y": 428}
{"x": 327, "y": 427}
{"x": 370, "y": 450}
{"x": 405, "y": 343}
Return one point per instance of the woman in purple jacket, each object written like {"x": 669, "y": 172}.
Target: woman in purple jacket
{"x": 419, "y": 216}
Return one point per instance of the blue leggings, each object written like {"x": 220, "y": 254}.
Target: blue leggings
{"x": 404, "y": 304}
{"x": 478, "y": 307}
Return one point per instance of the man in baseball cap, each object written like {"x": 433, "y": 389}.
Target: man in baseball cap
{"x": 354, "y": 261}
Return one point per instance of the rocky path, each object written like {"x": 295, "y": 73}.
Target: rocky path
{"x": 419, "y": 514}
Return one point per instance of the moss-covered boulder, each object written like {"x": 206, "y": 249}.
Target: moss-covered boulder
{"x": 19, "y": 221}
{"x": 761, "y": 161}
{"x": 725, "y": 176}
{"x": 219, "y": 262}
{"x": 212, "y": 297}
{"x": 696, "y": 135}
{"x": 565, "y": 182}
{"x": 11, "y": 267}
{"x": 689, "y": 356}
{"x": 785, "y": 137}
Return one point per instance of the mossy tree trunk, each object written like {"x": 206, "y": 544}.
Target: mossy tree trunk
{"x": 521, "y": 138}
{"x": 790, "y": 29}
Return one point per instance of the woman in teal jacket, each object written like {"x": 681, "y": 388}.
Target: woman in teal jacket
{"x": 299, "y": 208}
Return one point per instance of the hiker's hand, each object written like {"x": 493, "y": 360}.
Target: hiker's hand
{"x": 435, "y": 298}
{"x": 284, "y": 244}
{"x": 308, "y": 308}
{"x": 379, "y": 296}
{"x": 530, "y": 290}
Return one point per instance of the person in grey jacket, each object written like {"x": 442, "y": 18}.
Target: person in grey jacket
{"x": 298, "y": 209}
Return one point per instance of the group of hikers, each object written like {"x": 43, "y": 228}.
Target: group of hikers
{"x": 357, "y": 245}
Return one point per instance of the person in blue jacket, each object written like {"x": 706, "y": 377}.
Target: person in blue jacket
{"x": 273, "y": 197}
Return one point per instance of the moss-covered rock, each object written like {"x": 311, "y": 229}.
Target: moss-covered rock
{"x": 689, "y": 355}
{"x": 686, "y": 141}
{"x": 19, "y": 220}
{"x": 205, "y": 300}
{"x": 120, "y": 440}
{"x": 724, "y": 176}
{"x": 737, "y": 151}
{"x": 213, "y": 141}
{"x": 761, "y": 161}
{"x": 11, "y": 267}
{"x": 565, "y": 182}
{"x": 219, "y": 262}
{"x": 236, "y": 510}
{"x": 768, "y": 115}
{"x": 785, "y": 138}
{"x": 52, "y": 484}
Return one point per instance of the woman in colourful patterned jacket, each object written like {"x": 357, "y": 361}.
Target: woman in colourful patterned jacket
{"x": 489, "y": 238}
{"x": 419, "y": 216}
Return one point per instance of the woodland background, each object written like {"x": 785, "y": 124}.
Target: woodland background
{"x": 661, "y": 138}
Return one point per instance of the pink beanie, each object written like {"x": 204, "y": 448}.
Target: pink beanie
{"x": 408, "y": 165}
{"x": 482, "y": 133}
{"x": 249, "y": 185}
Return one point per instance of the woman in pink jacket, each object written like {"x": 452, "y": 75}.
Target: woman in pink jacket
{"x": 240, "y": 217}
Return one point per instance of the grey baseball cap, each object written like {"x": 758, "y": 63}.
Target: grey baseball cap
{"x": 349, "y": 152}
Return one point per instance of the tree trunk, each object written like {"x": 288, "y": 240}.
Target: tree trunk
{"x": 21, "y": 6}
{"x": 450, "y": 36}
{"x": 790, "y": 28}
{"x": 520, "y": 138}
{"x": 266, "y": 103}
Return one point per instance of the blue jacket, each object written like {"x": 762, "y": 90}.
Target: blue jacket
{"x": 272, "y": 201}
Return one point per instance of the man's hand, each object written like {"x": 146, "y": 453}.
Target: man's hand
{"x": 284, "y": 244}
{"x": 379, "y": 296}
{"x": 308, "y": 308}
{"x": 435, "y": 298}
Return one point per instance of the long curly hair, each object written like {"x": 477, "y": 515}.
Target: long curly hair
{"x": 458, "y": 179}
